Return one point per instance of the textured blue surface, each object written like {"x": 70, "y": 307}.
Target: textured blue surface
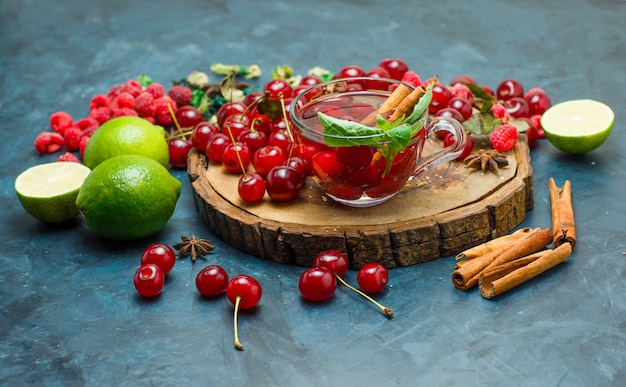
{"x": 69, "y": 314}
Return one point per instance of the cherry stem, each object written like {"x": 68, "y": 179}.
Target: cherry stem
{"x": 232, "y": 138}
{"x": 287, "y": 126}
{"x": 388, "y": 312}
{"x": 238, "y": 344}
{"x": 178, "y": 128}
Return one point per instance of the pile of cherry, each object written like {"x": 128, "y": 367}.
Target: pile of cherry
{"x": 316, "y": 284}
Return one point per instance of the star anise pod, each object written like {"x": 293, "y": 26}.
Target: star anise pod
{"x": 193, "y": 247}
{"x": 486, "y": 159}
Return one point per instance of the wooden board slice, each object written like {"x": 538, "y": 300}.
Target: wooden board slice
{"x": 445, "y": 210}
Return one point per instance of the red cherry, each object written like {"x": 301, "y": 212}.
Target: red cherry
{"x": 283, "y": 184}
{"x": 395, "y": 67}
{"x": 450, "y": 113}
{"x": 372, "y": 277}
{"x": 215, "y": 147}
{"x": 509, "y": 88}
{"x": 333, "y": 260}
{"x": 469, "y": 145}
{"x": 517, "y": 107}
{"x": 246, "y": 288}
{"x": 251, "y": 187}
{"x": 229, "y": 109}
{"x": 276, "y": 87}
{"x": 202, "y": 133}
{"x": 161, "y": 255}
{"x": 212, "y": 281}
{"x": 367, "y": 178}
{"x": 252, "y": 97}
{"x": 236, "y": 124}
{"x": 354, "y": 158}
{"x": 253, "y": 139}
{"x": 245, "y": 293}
{"x": 538, "y": 101}
{"x": 281, "y": 139}
{"x": 317, "y": 284}
{"x": 236, "y": 157}
{"x": 342, "y": 190}
{"x": 179, "y": 150}
{"x": 310, "y": 80}
{"x": 188, "y": 116}
{"x": 441, "y": 98}
{"x": 350, "y": 71}
{"x": 462, "y": 79}
{"x": 463, "y": 106}
{"x": 149, "y": 280}
{"x": 326, "y": 166}
{"x": 298, "y": 164}
{"x": 266, "y": 158}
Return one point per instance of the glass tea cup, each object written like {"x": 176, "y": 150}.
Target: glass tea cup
{"x": 358, "y": 162}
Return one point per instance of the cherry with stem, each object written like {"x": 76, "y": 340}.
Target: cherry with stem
{"x": 337, "y": 262}
{"x": 244, "y": 292}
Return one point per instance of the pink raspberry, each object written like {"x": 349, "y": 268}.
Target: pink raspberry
{"x": 499, "y": 111}
{"x": 49, "y": 142}
{"x": 100, "y": 100}
{"x": 144, "y": 104}
{"x": 124, "y": 100}
{"x": 101, "y": 114}
{"x": 411, "y": 78}
{"x": 180, "y": 94}
{"x": 72, "y": 138}
{"x": 121, "y": 112}
{"x": 150, "y": 119}
{"x": 156, "y": 89}
{"x": 87, "y": 125}
{"x": 115, "y": 90}
{"x": 162, "y": 115}
{"x": 132, "y": 87}
{"x": 68, "y": 157}
{"x": 504, "y": 138}
{"x": 59, "y": 121}
{"x": 83, "y": 144}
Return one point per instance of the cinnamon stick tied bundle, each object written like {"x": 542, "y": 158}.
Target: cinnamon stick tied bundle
{"x": 563, "y": 226}
{"x": 524, "y": 242}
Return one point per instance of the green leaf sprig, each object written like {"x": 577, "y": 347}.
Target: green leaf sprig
{"x": 389, "y": 138}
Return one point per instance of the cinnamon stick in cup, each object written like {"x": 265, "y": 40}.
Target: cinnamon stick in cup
{"x": 563, "y": 226}
{"x": 392, "y": 102}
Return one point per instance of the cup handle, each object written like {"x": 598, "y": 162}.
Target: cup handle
{"x": 451, "y": 152}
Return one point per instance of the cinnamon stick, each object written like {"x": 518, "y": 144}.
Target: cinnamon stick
{"x": 392, "y": 102}
{"x": 491, "y": 245}
{"x": 509, "y": 275}
{"x": 563, "y": 226}
{"x": 407, "y": 104}
{"x": 467, "y": 275}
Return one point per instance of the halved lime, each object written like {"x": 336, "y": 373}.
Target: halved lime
{"x": 48, "y": 191}
{"x": 578, "y": 126}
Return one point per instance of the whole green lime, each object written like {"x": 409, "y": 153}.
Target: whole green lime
{"x": 578, "y": 126}
{"x": 48, "y": 191}
{"x": 128, "y": 197}
{"x": 126, "y": 135}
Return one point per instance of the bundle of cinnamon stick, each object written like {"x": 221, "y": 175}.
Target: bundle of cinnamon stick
{"x": 505, "y": 262}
